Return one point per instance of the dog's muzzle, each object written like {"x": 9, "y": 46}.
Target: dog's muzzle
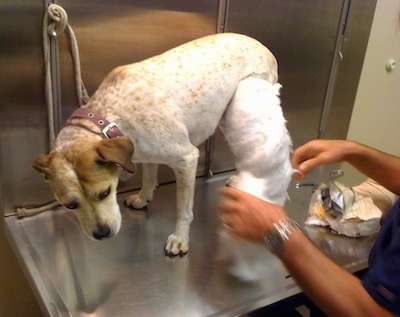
{"x": 102, "y": 232}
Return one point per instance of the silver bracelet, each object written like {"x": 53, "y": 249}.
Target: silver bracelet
{"x": 279, "y": 234}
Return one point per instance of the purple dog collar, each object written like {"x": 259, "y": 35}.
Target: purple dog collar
{"x": 109, "y": 129}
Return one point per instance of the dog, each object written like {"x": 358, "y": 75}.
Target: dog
{"x": 162, "y": 108}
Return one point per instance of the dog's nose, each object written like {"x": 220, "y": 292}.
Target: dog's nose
{"x": 102, "y": 232}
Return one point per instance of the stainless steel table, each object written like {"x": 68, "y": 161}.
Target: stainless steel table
{"x": 129, "y": 274}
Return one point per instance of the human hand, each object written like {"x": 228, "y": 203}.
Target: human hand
{"x": 318, "y": 152}
{"x": 248, "y": 216}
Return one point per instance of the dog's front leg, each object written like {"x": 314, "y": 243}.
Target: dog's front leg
{"x": 185, "y": 173}
{"x": 149, "y": 183}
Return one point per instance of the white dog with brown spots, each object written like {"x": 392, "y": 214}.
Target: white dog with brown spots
{"x": 157, "y": 112}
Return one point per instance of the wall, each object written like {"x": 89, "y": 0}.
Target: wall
{"x": 376, "y": 112}
{"x": 20, "y": 66}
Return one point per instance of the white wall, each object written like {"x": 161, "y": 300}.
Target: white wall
{"x": 376, "y": 116}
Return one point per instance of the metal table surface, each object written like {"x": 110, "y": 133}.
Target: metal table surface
{"x": 129, "y": 275}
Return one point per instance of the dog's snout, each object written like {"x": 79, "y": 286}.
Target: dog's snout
{"x": 102, "y": 232}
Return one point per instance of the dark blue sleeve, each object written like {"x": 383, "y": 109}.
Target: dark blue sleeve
{"x": 382, "y": 280}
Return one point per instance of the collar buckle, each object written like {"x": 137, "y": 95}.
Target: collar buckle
{"x": 111, "y": 130}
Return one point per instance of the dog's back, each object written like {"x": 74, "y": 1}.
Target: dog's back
{"x": 186, "y": 82}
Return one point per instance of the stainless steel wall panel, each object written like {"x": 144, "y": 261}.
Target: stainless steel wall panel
{"x": 302, "y": 36}
{"x": 353, "y": 49}
{"x": 114, "y": 33}
{"x": 23, "y": 127}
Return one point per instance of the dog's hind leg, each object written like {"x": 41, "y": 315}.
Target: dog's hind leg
{"x": 185, "y": 173}
{"x": 149, "y": 183}
{"x": 255, "y": 129}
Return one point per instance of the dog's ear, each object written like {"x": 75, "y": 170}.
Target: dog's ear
{"x": 117, "y": 151}
{"x": 41, "y": 165}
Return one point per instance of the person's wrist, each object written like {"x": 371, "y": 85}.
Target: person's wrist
{"x": 279, "y": 233}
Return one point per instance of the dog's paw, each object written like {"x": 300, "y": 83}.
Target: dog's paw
{"x": 134, "y": 201}
{"x": 176, "y": 246}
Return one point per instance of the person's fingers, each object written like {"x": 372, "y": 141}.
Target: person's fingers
{"x": 300, "y": 155}
{"x": 230, "y": 192}
{"x": 307, "y": 166}
{"x": 235, "y": 194}
{"x": 231, "y": 206}
{"x": 304, "y": 163}
{"x": 227, "y": 206}
{"x": 227, "y": 218}
{"x": 298, "y": 175}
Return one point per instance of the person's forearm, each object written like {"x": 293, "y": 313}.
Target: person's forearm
{"x": 380, "y": 166}
{"x": 336, "y": 291}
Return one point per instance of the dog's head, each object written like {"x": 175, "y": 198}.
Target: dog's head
{"x": 84, "y": 176}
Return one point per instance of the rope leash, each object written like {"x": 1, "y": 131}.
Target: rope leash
{"x": 27, "y": 212}
{"x": 55, "y": 22}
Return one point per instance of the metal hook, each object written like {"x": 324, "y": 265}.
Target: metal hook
{"x": 332, "y": 175}
{"x": 335, "y": 174}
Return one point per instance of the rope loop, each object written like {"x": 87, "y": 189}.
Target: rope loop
{"x": 58, "y": 20}
{"x": 55, "y": 22}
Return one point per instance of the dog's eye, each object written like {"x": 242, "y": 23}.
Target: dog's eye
{"x": 72, "y": 205}
{"x": 104, "y": 194}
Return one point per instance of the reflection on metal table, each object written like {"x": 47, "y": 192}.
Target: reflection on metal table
{"x": 129, "y": 275}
